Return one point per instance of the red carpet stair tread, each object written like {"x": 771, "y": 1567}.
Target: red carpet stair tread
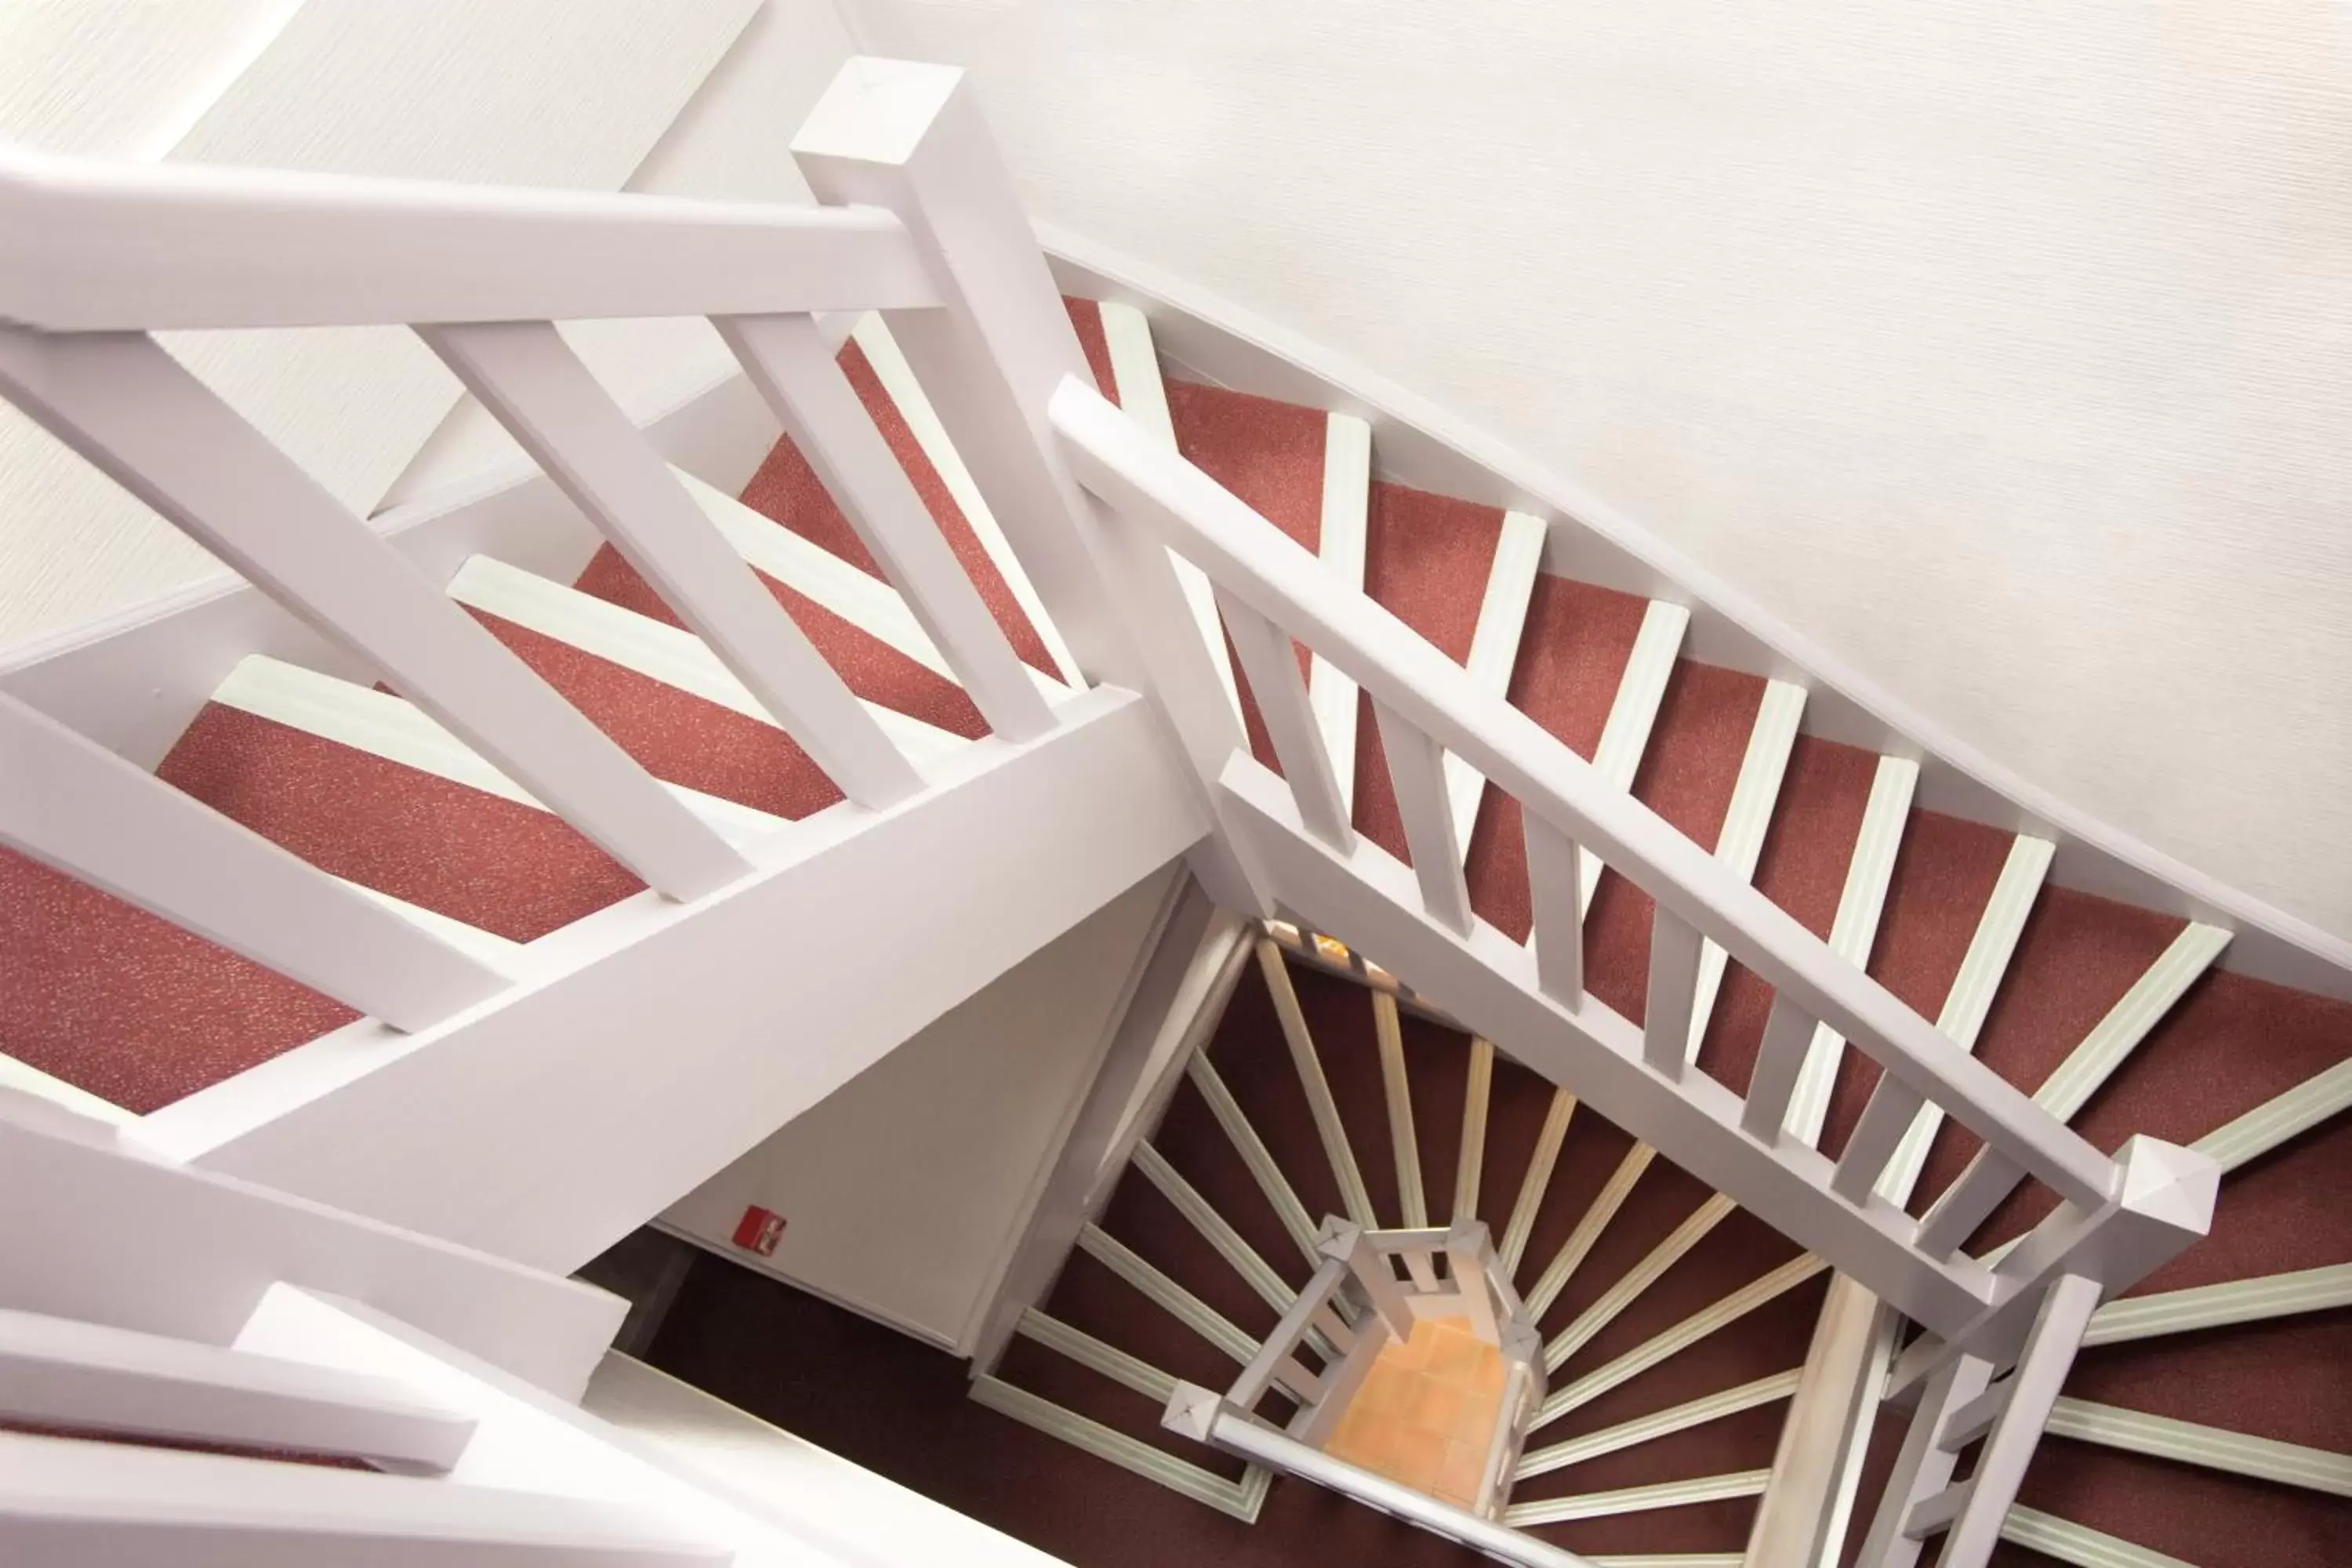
{"x": 1572, "y": 654}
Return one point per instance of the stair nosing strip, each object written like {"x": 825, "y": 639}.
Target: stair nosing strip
{"x": 1116, "y": 1446}
{"x": 1255, "y": 1154}
{"x": 2279, "y": 1118}
{"x": 1638, "y": 1500}
{"x": 1396, "y": 1090}
{"x": 1470, "y": 1161}
{"x": 1627, "y": 1289}
{"x": 2216, "y": 1306}
{"x": 1354, "y": 1195}
{"x": 1680, "y": 1337}
{"x": 395, "y": 730}
{"x": 1542, "y": 1160}
{"x": 1634, "y": 711}
{"x": 2207, "y": 1447}
{"x": 1659, "y": 1424}
{"x": 898, "y": 378}
{"x": 1187, "y": 1201}
{"x": 2115, "y": 1037}
{"x": 1589, "y": 1226}
{"x": 1180, "y": 1303}
{"x": 2079, "y": 1543}
{"x": 1739, "y": 843}
{"x": 1113, "y": 1363}
{"x": 1853, "y": 930}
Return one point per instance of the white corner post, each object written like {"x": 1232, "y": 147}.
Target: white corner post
{"x": 909, "y": 138}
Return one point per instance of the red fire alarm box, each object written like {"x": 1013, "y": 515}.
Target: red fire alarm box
{"x": 759, "y": 1231}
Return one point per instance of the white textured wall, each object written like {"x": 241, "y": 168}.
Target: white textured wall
{"x": 2006, "y": 350}
{"x": 904, "y": 1191}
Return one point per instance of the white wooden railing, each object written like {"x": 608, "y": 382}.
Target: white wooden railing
{"x": 922, "y": 224}
{"x": 2116, "y": 1219}
{"x": 1353, "y": 1307}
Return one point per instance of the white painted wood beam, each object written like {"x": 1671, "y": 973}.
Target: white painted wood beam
{"x": 1746, "y": 822}
{"x": 144, "y": 420}
{"x": 898, "y": 378}
{"x": 1340, "y": 546}
{"x": 1494, "y": 646}
{"x": 1633, "y": 713}
{"x": 857, "y": 596}
{"x": 791, "y": 365}
{"x": 529, "y": 379}
{"x": 67, "y": 1502}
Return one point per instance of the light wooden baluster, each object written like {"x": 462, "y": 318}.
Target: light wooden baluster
{"x": 1417, "y": 768}
{"x": 71, "y": 804}
{"x": 1273, "y": 679}
{"x": 1673, "y": 988}
{"x": 132, "y": 409}
{"x": 1780, "y": 1061}
{"x": 528, "y": 377}
{"x": 1883, "y": 1122}
{"x": 786, "y": 359}
{"x": 1555, "y": 879}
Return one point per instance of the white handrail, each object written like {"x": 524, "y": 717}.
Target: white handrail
{"x": 91, "y": 246}
{"x": 1255, "y": 563}
{"x": 1235, "y": 1434}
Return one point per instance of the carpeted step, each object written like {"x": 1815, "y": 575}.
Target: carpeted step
{"x": 2200, "y": 1516}
{"x": 2079, "y": 955}
{"x": 1571, "y": 656}
{"x": 1053, "y": 1376}
{"x": 787, "y": 490}
{"x": 1437, "y": 1071}
{"x": 868, "y": 666}
{"x": 674, "y": 735}
{"x": 505, "y": 868}
{"x": 1270, "y": 455}
{"x": 1426, "y": 561}
{"x": 1807, "y": 853}
{"x": 128, "y": 1007}
{"x": 1943, "y": 880}
{"x": 1686, "y": 777}
{"x": 1592, "y": 1151}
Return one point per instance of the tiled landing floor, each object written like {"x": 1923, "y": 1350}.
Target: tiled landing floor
{"x": 1425, "y": 1416}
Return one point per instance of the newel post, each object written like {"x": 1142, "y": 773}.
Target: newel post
{"x": 909, "y": 138}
